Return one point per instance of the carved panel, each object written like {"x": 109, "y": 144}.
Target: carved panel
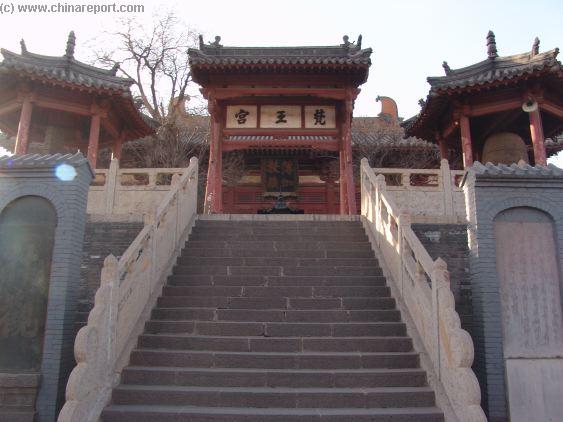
{"x": 280, "y": 117}
{"x": 320, "y": 117}
{"x": 242, "y": 117}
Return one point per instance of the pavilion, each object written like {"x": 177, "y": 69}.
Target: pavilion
{"x": 501, "y": 109}
{"x": 59, "y": 104}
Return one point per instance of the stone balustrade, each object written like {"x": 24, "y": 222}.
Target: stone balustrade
{"x": 128, "y": 194}
{"x": 422, "y": 287}
{"x": 128, "y": 291}
{"x": 429, "y": 195}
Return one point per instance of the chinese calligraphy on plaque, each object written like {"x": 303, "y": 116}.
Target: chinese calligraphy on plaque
{"x": 320, "y": 117}
{"x": 281, "y": 117}
{"x": 242, "y": 116}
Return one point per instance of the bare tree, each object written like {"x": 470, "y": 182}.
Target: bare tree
{"x": 385, "y": 145}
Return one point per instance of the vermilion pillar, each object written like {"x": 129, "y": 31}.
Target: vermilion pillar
{"x": 343, "y": 195}
{"x": 466, "y": 145}
{"x": 214, "y": 188}
{"x": 348, "y": 163}
{"x": 94, "y": 139}
{"x": 536, "y": 129}
{"x": 22, "y": 138}
{"x": 443, "y": 148}
{"x": 117, "y": 148}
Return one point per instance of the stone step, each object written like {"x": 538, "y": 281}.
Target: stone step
{"x": 277, "y": 291}
{"x": 207, "y": 377}
{"x": 294, "y": 238}
{"x": 284, "y": 253}
{"x": 280, "y": 231}
{"x": 266, "y": 314}
{"x": 257, "y": 360}
{"x": 257, "y": 280}
{"x": 145, "y": 413}
{"x": 276, "y": 261}
{"x": 272, "y": 344}
{"x": 279, "y": 245}
{"x": 373, "y": 270}
{"x": 263, "y": 397}
{"x": 270, "y": 303}
{"x": 201, "y": 222}
{"x": 272, "y": 329}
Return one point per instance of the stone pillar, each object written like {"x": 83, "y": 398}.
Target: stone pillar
{"x": 66, "y": 189}
{"x": 514, "y": 222}
{"x": 466, "y": 145}
{"x": 24, "y": 126}
{"x": 94, "y": 139}
{"x": 538, "y": 141}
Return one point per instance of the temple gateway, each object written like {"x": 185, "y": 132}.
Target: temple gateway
{"x": 342, "y": 269}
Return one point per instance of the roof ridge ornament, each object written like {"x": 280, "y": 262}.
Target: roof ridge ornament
{"x": 352, "y": 45}
{"x": 70, "y": 44}
{"x": 446, "y": 67}
{"x": 114, "y": 68}
{"x": 491, "y": 45}
{"x": 23, "y": 46}
{"x": 216, "y": 43}
{"x": 536, "y": 47}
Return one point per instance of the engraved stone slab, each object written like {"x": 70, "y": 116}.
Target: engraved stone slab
{"x": 242, "y": 116}
{"x": 529, "y": 284}
{"x": 535, "y": 389}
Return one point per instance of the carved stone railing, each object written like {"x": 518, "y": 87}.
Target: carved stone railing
{"x": 128, "y": 291}
{"x": 429, "y": 195}
{"x": 423, "y": 287}
{"x": 128, "y": 193}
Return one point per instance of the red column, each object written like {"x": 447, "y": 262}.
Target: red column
{"x": 349, "y": 169}
{"x": 343, "y": 195}
{"x": 466, "y": 145}
{"x": 116, "y": 148}
{"x": 94, "y": 139}
{"x": 443, "y": 148}
{"x": 213, "y": 190}
{"x": 218, "y": 177}
{"x": 538, "y": 141}
{"x": 22, "y": 138}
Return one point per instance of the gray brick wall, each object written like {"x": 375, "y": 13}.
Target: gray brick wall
{"x": 449, "y": 241}
{"x": 36, "y": 177}
{"x": 485, "y": 197}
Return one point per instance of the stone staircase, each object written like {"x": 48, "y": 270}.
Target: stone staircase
{"x": 275, "y": 321}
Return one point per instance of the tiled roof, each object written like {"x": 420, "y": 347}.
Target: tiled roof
{"x": 215, "y": 54}
{"x": 64, "y": 69}
{"x": 519, "y": 170}
{"x": 497, "y": 69}
{"x": 41, "y": 161}
{"x": 391, "y": 142}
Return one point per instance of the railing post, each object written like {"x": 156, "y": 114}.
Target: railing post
{"x": 404, "y": 221}
{"x": 447, "y": 188}
{"x": 439, "y": 278}
{"x": 112, "y": 181}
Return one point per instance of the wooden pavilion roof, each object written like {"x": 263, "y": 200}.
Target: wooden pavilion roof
{"x": 67, "y": 72}
{"x": 494, "y": 74}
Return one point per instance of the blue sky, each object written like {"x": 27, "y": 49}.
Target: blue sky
{"x": 410, "y": 39}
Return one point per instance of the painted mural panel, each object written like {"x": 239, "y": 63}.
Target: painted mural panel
{"x": 320, "y": 117}
{"x": 242, "y": 117}
{"x": 280, "y": 117}
{"x": 27, "y": 230}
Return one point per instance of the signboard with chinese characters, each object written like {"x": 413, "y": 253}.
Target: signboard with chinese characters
{"x": 280, "y": 117}
{"x": 242, "y": 116}
{"x": 320, "y": 117}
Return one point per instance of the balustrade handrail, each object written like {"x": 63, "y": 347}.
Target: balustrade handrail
{"x": 128, "y": 291}
{"x": 423, "y": 286}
